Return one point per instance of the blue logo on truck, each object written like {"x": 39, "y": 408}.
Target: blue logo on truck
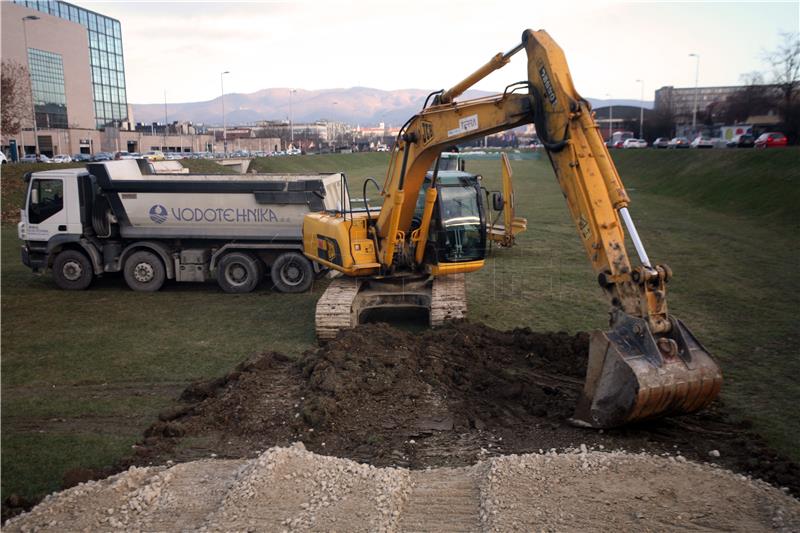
{"x": 158, "y": 214}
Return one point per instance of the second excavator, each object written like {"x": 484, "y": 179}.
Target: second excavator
{"x": 429, "y": 232}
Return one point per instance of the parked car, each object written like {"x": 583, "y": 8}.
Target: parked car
{"x": 123, "y": 155}
{"x": 3, "y": 158}
{"x": 702, "y": 141}
{"x": 772, "y": 139}
{"x": 154, "y": 155}
{"x": 81, "y": 158}
{"x": 33, "y": 158}
{"x": 744, "y": 141}
{"x": 102, "y": 156}
{"x": 678, "y": 142}
{"x": 661, "y": 142}
{"x": 62, "y": 158}
{"x": 634, "y": 143}
{"x": 718, "y": 142}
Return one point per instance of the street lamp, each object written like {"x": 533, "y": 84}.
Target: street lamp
{"x": 641, "y": 109}
{"x": 291, "y": 118}
{"x": 30, "y": 79}
{"x": 224, "y": 129}
{"x": 696, "y": 90}
{"x": 610, "y": 116}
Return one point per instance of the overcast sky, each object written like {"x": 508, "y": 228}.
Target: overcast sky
{"x": 183, "y": 46}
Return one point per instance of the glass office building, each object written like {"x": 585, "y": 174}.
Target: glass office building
{"x": 47, "y": 80}
{"x": 105, "y": 58}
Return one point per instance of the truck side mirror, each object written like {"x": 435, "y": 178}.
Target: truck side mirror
{"x": 497, "y": 201}
{"x": 34, "y": 196}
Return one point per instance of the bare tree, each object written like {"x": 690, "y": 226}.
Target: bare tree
{"x": 753, "y": 98}
{"x": 785, "y": 61}
{"x": 14, "y": 97}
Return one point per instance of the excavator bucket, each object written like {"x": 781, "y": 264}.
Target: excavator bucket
{"x": 633, "y": 375}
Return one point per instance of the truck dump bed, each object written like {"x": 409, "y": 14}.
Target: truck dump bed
{"x": 248, "y": 206}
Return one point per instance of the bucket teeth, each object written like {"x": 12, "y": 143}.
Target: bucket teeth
{"x": 632, "y": 375}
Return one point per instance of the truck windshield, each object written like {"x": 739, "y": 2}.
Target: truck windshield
{"x": 463, "y": 232}
{"x": 49, "y": 194}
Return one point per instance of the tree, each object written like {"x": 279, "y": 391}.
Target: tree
{"x": 14, "y": 97}
{"x": 785, "y": 61}
{"x": 753, "y": 98}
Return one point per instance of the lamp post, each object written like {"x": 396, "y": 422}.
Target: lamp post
{"x": 291, "y": 117}
{"x": 165, "y": 119}
{"x": 641, "y": 109}
{"x": 30, "y": 79}
{"x": 224, "y": 129}
{"x": 696, "y": 90}
{"x": 610, "y": 116}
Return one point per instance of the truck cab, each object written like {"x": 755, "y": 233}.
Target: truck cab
{"x": 53, "y": 214}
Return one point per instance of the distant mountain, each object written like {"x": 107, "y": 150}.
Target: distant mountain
{"x": 356, "y": 105}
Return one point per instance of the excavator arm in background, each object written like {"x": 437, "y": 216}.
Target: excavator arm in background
{"x": 505, "y": 234}
{"x": 648, "y": 364}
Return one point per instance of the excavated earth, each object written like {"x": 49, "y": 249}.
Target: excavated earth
{"x": 447, "y": 399}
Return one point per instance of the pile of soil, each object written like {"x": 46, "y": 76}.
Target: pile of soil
{"x": 444, "y": 397}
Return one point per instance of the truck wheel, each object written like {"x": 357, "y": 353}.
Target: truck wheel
{"x": 238, "y": 272}
{"x": 144, "y": 272}
{"x": 72, "y": 271}
{"x": 291, "y": 272}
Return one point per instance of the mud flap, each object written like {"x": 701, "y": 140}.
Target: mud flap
{"x": 633, "y": 375}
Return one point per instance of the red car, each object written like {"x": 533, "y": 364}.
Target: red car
{"x": 772, "y": 139}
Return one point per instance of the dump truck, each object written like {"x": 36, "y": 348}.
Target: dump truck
{"x": 81, "y": 223}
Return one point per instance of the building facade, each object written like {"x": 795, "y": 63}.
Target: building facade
{"x": 106, "y": 61}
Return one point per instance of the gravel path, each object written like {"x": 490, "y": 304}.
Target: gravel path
{"x": 291, "y": 489}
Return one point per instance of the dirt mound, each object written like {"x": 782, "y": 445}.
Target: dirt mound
{"x": 444, "y": 397}
{"x": 292, "y": 489}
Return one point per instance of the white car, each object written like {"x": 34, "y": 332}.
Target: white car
{"x": 702, "y": 141}
{"x": 3, "y": 158}
{"x": 634, "y": 143}
{"x": 62, "y": 158}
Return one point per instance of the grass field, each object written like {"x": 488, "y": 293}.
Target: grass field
{"x": 84, "y": 373}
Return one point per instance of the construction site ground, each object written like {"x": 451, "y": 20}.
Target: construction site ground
{"x": 429, "y": 406}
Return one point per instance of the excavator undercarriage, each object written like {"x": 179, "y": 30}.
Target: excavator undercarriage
{"x": 348, "y": 301}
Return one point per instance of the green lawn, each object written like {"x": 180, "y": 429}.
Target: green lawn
{"x": 83, "y": 374}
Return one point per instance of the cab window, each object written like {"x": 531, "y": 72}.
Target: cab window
{"x": 46, "y": 199}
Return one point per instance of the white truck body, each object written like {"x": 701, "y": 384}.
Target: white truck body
{"x": 191, "y": 222}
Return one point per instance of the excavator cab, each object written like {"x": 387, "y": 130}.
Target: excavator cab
{"x": 458, "y": 226}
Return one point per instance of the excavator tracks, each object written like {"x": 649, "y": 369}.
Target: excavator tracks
{"x": 342, "y": 304}
{"x": 448, "y": 299}
{"x": 334, "y": 308}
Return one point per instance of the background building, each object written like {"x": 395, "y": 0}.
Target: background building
{"x": 104, "y": 37}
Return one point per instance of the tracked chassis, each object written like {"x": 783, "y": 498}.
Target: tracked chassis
{"x": 347, "y": 301}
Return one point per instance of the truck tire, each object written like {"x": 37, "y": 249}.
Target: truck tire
{"x": 238, "y": 272}
{"x": 292, "y": 272}
{"x": 144, "y": 272}
{"x": 72, "y": 271}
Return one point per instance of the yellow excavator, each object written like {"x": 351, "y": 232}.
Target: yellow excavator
{"x": 413, "y": 253}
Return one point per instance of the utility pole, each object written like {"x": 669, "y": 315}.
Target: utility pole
{"x": 291, "y": 118}
{"x": 696, "y": 90}
{"x": 224, "y": 129}
{"x": 30, "y": 79}
{"x": 610, "y": 116}
{"x": 165, "y": 119}
{"x": 641, "y": 110}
